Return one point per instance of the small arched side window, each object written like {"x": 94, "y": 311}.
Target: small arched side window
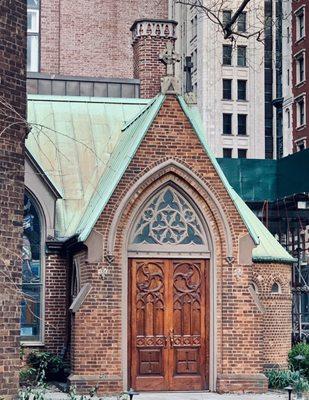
{"x": 276, "y": 288}
{"x": 32, "y": 273}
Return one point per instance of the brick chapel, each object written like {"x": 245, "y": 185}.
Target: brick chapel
{"x": 144, "y": 265}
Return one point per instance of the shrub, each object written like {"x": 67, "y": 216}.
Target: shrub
{"x": 27, "y": 376}
{"x": 281, "y": 378}
{"x": 301, "y": 349}
{"x": 48, "y": 367}
{"x": 301, "y": 385}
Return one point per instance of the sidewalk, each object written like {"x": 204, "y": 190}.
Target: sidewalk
{"x": 187, "y": 396}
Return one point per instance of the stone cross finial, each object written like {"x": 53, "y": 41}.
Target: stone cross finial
{"x": 169, "y": 83}
{"x": 169, "y": 57}
{"x": 188, "y": 70}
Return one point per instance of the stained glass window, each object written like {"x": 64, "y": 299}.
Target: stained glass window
{"x": 168, "y": 218}
{"x": 31, "y": 273}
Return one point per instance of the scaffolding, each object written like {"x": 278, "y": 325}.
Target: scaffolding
{"x": 288, "y": 220}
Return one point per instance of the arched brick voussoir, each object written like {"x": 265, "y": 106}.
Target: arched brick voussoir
{"x": 173, "y": 172}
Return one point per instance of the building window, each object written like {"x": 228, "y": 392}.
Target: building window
{"x": 288, "y": 34}
{"x": 194, "y": 27}
{"x": 300, "y": 145}
{"x": 288, "y": 118}
{"x": 241, "y": 56}
{"x": 241, "y": 89}
{"x": 226, "y": 17}
{"x": 33, "y": 35}
{"x": 242, "y": 124}
{"x": 32, "y": 273}
{"x": 300, "y": 68}
{"x": 194, "y": 59}
{"x": 300, "y": 107}
{"x": 288, "y": 77}
{"x": 227, "y": 54}
{"x": 242, "y": 22}
{"x": 300, "y": 24}
{"x": 242, "y": 153}
{"x": 227, "y": 153}
{"x": 169, "y": 219}
{"x": 227, "y": 124}
{"x": 227, "y": 89}
{"x": 275, "y": 288}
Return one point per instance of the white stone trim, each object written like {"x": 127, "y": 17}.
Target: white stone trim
{"x": 159, "y": 28}
{"x": 134, "y": 188}
{"x": 212, "y": 266}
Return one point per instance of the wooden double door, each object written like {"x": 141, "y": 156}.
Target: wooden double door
{"x": 169, "y": 324}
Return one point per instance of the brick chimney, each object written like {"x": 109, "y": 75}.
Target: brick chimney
{"x": 150, "y": 37}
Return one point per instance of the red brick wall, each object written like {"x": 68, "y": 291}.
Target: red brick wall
{"x": 240, "y": 329}
{"x": 149, "y": 41}
{"x": 13, "y": 130}
{"x": 92, "y": 39}
{"x": 56, "y": 304}
{"x": 298, "y": 45}
{"x": 277, "y": 319}
{"x": 147, "y": 66}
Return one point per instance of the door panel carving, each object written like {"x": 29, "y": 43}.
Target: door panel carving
{"x": 169, "y": 339}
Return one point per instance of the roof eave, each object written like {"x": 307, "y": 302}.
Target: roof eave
{"x": 276, "y": 260}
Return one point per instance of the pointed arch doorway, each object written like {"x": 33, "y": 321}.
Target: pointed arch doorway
{"x": 169, "y": 295}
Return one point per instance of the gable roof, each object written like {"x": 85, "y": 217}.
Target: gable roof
{"x": 131, "y": 136}
{"x": 72, "y": 139}
{"x": 102, "y": 135}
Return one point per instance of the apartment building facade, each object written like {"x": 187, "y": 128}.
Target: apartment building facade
{"x": 300, "y": 48}
{"x": 290, "y": 78}
{"x": 228, "y": 77}
{"x": 287, "y": 81}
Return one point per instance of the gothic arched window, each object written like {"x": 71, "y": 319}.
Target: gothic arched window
{"x": 276, "y": 288}
{"x": 169, "y": 221}
{"x": 32, "y": 278}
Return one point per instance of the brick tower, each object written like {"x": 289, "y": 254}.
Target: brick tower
{"x": 150, "y": 37}
{"x": 13, "y": 129}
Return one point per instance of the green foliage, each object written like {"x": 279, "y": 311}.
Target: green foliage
{"x": 48, "y": 367}
{"x": 301, "y": 385}
{"x": 27, "y": 376}
{"x": 281, "y": 378}
{"x": 301, "y": 349}
{"x": 32, "y": 392}
{"x": 21, "y": 353}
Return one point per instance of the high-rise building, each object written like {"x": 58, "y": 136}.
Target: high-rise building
{"x": 227, "y": 76}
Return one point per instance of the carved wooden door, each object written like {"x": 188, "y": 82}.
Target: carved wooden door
{"x": 169, "y": 325}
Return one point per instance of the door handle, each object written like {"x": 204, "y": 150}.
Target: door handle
{"x": 171, "y": 336}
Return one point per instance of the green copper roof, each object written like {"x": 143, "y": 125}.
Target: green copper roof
{"x": 72, "y": 139}
{"x": 85, "y": 146}
{"x": 129, "y": 141}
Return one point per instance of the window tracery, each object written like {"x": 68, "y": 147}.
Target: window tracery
{"x": 168, "y": 219}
